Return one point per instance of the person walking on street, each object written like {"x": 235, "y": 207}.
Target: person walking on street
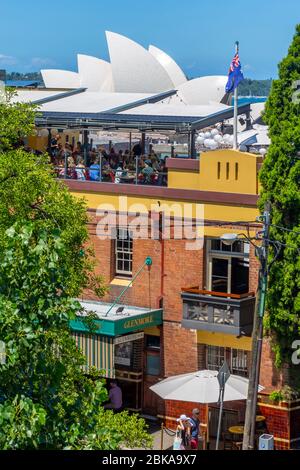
{"x": 184, "y": 431}
{"x": 195, "y": 427}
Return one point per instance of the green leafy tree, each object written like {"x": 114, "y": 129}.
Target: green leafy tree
{"x": 16, "y": 121}
{"x": 280, "y": 178}
{"x": 46, "y": 399}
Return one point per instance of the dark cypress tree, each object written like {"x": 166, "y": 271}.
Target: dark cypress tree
{"x": 280, "y": 178}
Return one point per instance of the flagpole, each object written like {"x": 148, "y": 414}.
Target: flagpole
{"x": 235, "y": 119}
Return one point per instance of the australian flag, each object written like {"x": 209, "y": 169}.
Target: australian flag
{"x": 235, "y": 76}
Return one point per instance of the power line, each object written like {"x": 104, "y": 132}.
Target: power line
{"x": 285, "y": 229}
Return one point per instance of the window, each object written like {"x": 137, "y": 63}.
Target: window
{"x": 227, "y": 267}
{"x": 237, "y": 359}
{"x": 124, "y": 250}
{"x": 153, "y": 364}
{"x": 236, "y": 171}
{"x": 219, "y": 170}
{"x": 152, "y": 342}
{"x": 236, "y": 247}
{"x": 239, "y": 362}
{"x": 215, "y": 357}
{"x": 152, "y": 355}
{"x": 227, "y": 170}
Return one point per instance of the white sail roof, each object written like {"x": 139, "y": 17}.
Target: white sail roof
{"x": 204, "y": 89}
{"x": 134, "y": 69}
{"x": 95, "y": 74}
{"x": 92, "y": 102}
{"x": 61, "y": 79}
{"x": 172, "y": 68}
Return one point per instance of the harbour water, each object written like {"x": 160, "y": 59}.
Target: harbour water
{"x": 251, "y": 99}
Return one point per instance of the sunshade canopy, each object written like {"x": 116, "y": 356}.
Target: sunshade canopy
{"x": 201, "y": 387}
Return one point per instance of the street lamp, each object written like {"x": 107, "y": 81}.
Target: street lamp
{"x": 229, "y": 238}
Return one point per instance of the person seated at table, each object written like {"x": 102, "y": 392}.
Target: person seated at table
{"x": 118, "y": 175}
{"x": 127, "y": 155}
{"x": 93, "y": 154}
{"x": 163, "y": 174}
{"x": 155, "y": 162}
{"x": 71, "y": 173}
{"x": 120, "y": 156}
{"x": 115, "y": 397}
{"x": 95, "y": 170}
{"x": 112, "y": 154}
{"x": 80, "y": 170}
{"x": 137, "y": 149}
{"x": 113, "y": 163}
{"x": 78, "y": 149}
{"x": 148, "y": 172}
{"x": 60, "y": 168}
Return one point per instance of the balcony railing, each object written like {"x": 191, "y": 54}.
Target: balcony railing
{"x": 218, "y": 312}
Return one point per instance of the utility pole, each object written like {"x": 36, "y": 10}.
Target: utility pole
{"x": 257, "y": 338}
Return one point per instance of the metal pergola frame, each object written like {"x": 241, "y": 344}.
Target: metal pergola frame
{"x": 113, "y": 121}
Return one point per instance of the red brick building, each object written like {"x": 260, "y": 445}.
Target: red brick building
{"x": 207, "y": 295}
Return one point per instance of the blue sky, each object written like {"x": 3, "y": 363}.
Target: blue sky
{"x": 198, "y": 34}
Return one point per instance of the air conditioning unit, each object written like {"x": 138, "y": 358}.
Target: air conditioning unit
{"x": 266, "y": 442}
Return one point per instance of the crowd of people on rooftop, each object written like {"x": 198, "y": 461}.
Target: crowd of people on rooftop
{"x": 72, "y": 162}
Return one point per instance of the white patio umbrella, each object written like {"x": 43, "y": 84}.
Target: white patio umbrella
{"x": 201, "y": 387}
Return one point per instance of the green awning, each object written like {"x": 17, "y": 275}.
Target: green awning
{"x": 99, "y": 347}
{"x": 99, "y": 352}
{"x": 129, "y": 320}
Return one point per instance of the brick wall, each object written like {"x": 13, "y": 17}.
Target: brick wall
{"x": 254, "y": 270}
{"x": 146, "y": 289}
{"x": 179, "y": 350}
{"x": 295, "y": 425}
{"x": 270, "y": 377}
{"x": 277, "y": 424}
{"x": 173, "y": 409}
{"x": 201, "y": 350}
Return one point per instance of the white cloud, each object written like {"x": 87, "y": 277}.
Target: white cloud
{"x": 7, "y": 60}
{"x": 42, "y": 62}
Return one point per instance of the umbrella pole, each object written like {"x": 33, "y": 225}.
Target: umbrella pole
{"x": 207, "y": 429}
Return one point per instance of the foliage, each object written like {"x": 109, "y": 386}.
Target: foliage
{"x": 46, "y": 399}
{"x": 280, "y": 178}
{"x": 21, "y": 422}
{"x": 285, "y": 394}
{"x": 16, "y": 121}
{"x": 24, "y": 76}
{"x": 276, "y": 396}
{"x": 250, "y": 87}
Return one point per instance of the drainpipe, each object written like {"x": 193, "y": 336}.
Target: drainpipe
{"x": 160, "y": 299}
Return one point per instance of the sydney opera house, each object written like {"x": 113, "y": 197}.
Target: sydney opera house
{"x": 138, "y": 90}
{"x": 133, "y": 69}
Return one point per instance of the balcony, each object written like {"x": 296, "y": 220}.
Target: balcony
{"x": 218, "y": 312}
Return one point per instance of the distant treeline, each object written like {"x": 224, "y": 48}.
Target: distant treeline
{"x": 247, "y": 88}
{"x": 255, "y": 87}
{"x": 24, "y": 76}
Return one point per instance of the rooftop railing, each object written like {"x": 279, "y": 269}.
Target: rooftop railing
{"x": 100, "y": 172}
